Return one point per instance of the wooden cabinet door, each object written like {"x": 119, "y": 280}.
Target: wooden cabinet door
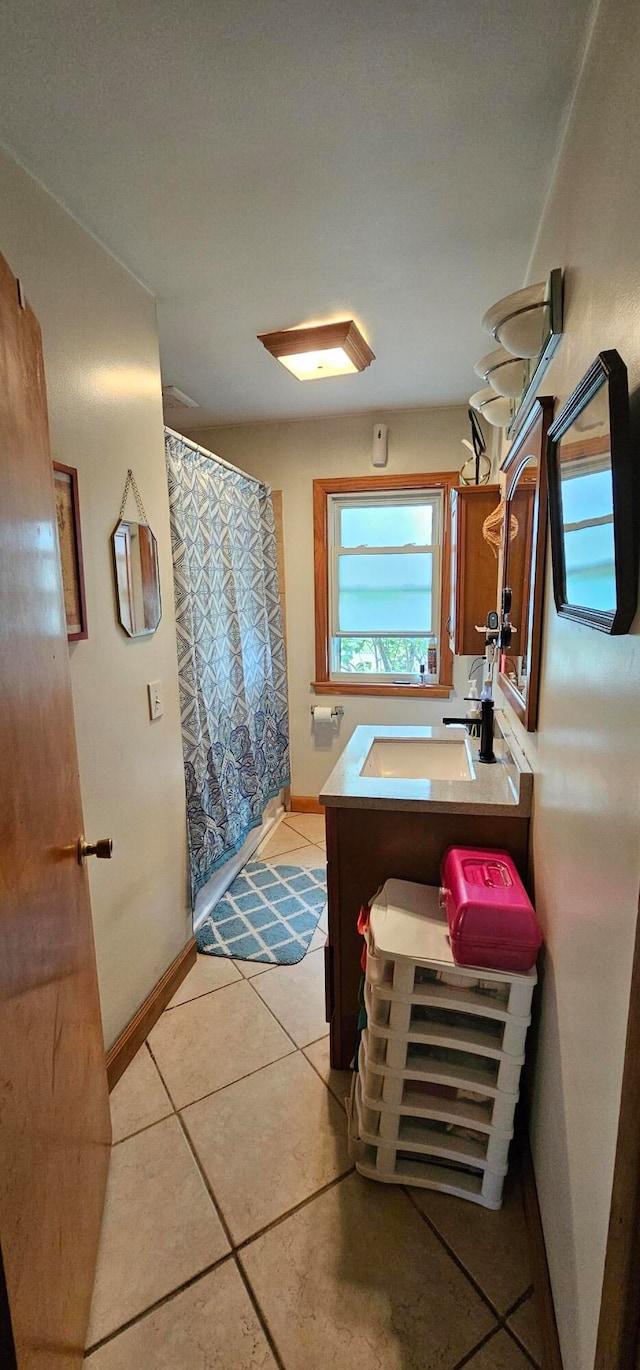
{"x": 54, "y": 1111}
{"x": 474, "y": 567}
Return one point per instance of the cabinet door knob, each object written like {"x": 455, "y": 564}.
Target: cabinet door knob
{"x": 103, "y": 848}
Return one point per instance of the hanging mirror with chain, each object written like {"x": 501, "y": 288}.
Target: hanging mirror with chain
{"x": 135, "y": 562}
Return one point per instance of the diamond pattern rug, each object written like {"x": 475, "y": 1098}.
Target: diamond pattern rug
{"x": 269, "y": 913}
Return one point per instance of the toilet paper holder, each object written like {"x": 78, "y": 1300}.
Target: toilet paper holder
{"x": 337, "y": 712}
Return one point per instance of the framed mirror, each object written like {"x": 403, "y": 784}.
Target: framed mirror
{"x": 524, "y": 543}
{"x": 592, "y": 501}
{"x": 135, "y": 559}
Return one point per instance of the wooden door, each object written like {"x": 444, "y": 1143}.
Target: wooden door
{"x": 54, "y": 1113}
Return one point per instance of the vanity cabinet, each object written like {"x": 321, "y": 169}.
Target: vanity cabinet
{"x": 397, "y": 823}
{"x": 474, "y": 567}
{"x": 365, "y": 847}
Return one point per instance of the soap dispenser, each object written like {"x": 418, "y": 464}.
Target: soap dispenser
{"x": 474, "y": 709}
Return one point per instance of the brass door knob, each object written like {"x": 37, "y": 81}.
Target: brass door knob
{"x": 103, "y": 848}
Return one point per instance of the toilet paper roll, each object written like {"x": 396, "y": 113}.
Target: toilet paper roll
{"x": 321, "y": 714}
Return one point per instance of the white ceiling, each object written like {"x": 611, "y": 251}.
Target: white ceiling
{"x": 264, "y": 163}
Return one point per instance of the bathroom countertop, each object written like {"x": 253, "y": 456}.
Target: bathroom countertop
{"x": 504, "y": 787}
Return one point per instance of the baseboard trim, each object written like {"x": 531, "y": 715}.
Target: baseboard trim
{"x": 551, "y": 1357}
{"x": 129, "y": 1042}
{"x": 305, "y": 803}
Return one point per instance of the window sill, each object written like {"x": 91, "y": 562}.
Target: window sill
{"x": 344, "y": 687}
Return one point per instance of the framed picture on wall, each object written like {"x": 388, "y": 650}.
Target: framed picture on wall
{"x": 65, "y": 479}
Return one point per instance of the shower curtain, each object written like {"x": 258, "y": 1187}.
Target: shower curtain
{"x": 231, "y": 656}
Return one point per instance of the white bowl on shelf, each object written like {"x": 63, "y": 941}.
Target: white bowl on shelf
{"x": 496, "y": 409}
{"x": 507, "y": 375}
{"x": 520, "y": 321}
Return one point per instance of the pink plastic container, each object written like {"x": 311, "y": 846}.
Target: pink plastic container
{"x": 492, "y": 922}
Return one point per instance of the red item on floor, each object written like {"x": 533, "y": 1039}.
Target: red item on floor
{"x": 492, "y": 922}
{"x": 363, "y": 923}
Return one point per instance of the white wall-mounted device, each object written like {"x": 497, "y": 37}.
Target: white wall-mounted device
{"x": 379, "y": 450}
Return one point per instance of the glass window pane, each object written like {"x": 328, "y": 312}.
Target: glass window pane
{"x": 385, "y": 594}
{"x": 386, "y": 525}
{"x": 590, "y": 566}
{"x": 395, "y": 656}
{"x": 589, "y": 549}
{"x": 586, "y": 495}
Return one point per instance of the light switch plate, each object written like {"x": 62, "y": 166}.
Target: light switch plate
{"x": 156, "y": 708}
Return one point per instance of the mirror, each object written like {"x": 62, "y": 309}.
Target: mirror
{"x": 591, "y": 500}
{"x": 135, "y": 557}
{"x": 523, "y": 556}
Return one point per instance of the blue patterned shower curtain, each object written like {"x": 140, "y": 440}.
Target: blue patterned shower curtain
{"x": 231, "y": 657}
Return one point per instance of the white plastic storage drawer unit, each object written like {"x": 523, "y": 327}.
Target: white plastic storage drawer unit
{"x": 426, "y": 1143}
{"x": 439, "y": 1065}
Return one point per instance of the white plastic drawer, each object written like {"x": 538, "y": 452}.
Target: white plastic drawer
{"x": 424, "y": 1020}
{"x": 440, "y": 1085}
{"x": 446, "y": 1106}
{"x": 465, "y": 988}
{"x": 396, "y": 1165}
{"x": 418, "y": 1051}
{"x": 481, "y": 1187}
{"x": 454, "y": 1141}
{"x": 386, "y": 1010}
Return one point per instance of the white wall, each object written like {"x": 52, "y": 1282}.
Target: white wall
{"x": 586, "y": 830}
{"x": 290, "y": 456}
{"x": 103, "y": 383}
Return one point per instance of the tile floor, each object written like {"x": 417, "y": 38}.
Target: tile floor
{"x": 237, "y": 1235}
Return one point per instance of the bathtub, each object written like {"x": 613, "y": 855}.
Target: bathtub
{"x": 214, "y": 889}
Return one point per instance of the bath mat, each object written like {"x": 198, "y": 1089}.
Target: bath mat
{"x": 269, "y": 913}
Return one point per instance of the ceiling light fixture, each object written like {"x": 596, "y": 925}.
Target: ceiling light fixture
{"x": 495, "y": 408}
{"x": 313, "y": 354}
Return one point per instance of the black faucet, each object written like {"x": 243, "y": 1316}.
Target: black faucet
{"x": 486, "y": 752}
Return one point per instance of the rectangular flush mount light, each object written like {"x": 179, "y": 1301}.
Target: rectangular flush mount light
{"x": 328, "y": 349}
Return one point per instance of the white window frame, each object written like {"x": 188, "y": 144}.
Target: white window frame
{"x": 335, "y": 504}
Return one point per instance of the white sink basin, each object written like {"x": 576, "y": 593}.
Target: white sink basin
{"x": 417, "y": 758}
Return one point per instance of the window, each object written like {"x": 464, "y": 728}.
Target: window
{"x": 380, "y": 566}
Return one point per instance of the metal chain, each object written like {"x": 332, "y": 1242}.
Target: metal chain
{"x": 130, "y": 484}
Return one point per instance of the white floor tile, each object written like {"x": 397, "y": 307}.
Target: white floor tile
{"x": 309, "y": 856}
{"x": 355, "y": 1280}
{"x": 317, "y": 941}
{"x": 281, "y": 841}
{"x": 159, "y": 1227}
{"x": 209, "y": 973}
{"x": 268, "y": 1142}
{"x": 339, "y": 1081}
{"x": 212, "y": 1325}
{"x": 250, "y": 968}
{"x": 491, "y": 1245}
{"x": 206, "y": 1044}
{"x": 526, "y": 1325}
{"x": 139, "y": 1098}
{"x": 296, "y": 995}
{"x": 500, "y": 1353}
{"x": 310, "y": 825}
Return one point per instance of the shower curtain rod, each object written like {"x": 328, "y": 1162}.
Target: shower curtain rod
{"x": 214, "y": 457}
